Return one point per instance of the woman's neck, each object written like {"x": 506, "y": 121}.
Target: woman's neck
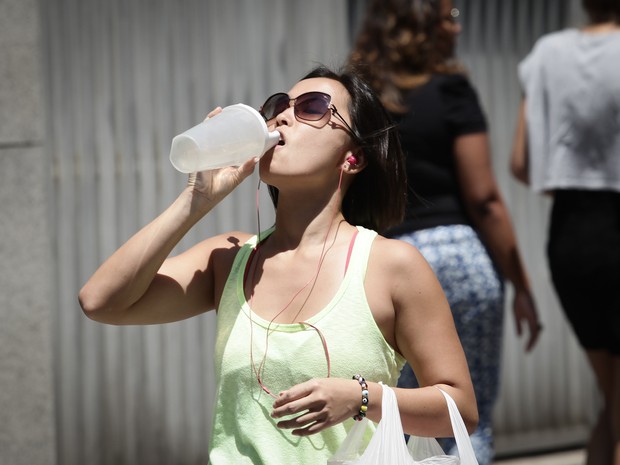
{"x": 305, "y": 221}
{"x": 601, "y": 28}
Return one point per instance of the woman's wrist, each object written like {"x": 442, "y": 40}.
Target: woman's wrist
{"x": 523, "y": 290}
{"x": 197, "y": 204}
{"x": 363, "y": 406}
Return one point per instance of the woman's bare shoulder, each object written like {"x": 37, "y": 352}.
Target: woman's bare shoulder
{"x": 401, "y": 266}
{"x": 215, "y": 253}
{"x": 396, "y": 254}
{"x": 230, "y": 240}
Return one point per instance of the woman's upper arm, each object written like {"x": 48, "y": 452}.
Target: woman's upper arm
{"x": 184, "y": 286}
{"x": 472, "y": 158}
{"x": 424, "y": 326}
{"x": 413, "y": 313}
{"x": 428, "y": 339}
{"x": 519, "y": 158}
{"x": 418, "y": 321}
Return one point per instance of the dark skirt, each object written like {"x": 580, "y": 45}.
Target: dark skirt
{"x": 584, "y": 259}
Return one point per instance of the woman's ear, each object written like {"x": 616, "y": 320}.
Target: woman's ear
{"x": 354, "y": 162}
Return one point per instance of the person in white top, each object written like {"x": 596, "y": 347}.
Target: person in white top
{"x": 567, "y": 144}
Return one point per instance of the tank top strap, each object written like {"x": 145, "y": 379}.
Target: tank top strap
{"x": 359, "y": 251}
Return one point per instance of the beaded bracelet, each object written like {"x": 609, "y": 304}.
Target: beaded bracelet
{"x": 362, "y": 411}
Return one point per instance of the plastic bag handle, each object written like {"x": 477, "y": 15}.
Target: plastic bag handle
{"x": 387, "y": 444}
{"x": 461, "y": 436}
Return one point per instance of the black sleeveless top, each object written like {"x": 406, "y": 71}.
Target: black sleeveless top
{"x": 439, "y": 111}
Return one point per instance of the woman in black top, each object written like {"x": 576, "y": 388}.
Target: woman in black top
{"x": 455, "y": 212}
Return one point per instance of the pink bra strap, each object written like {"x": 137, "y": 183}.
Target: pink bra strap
{"x": 346, "y": 265}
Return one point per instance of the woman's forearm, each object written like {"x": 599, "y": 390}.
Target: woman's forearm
{"x": 492, "y": 220}
{"x": 127, "y": 274}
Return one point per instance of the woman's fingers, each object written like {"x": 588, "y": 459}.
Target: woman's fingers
{"x": 213, "y": 112}
{"x": 317, "y": 404}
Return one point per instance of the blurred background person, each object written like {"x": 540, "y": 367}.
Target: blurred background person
{"x": 455, "y": 214}
{"x": 567, "y": 143}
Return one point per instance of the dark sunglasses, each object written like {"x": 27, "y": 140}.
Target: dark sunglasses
{"x": 311, "y": 106}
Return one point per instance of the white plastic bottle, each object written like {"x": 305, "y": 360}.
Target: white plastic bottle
{"x": 229, "y": 138}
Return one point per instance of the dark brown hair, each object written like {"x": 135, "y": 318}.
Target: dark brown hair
{"x": 376, "y": 197}
{"x": 400, "y": 43}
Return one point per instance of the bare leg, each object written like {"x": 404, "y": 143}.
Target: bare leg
{"x": 614, "y": 409}
{"x": 600, "y": 445}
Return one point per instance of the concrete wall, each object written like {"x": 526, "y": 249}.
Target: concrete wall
{"x": 27, "y": 433}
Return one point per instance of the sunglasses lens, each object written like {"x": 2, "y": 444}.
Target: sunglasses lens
{"x": 274, "y": 105}
{"x": 312, "y": 106}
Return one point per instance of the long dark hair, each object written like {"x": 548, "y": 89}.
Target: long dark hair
{"x": 376, "y": 198}
{"x": 400, "y": 44}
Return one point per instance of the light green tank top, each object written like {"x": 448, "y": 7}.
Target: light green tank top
{"x": 243, "y": 432}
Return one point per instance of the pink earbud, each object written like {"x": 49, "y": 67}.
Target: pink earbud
{"x": 352, "y": 160}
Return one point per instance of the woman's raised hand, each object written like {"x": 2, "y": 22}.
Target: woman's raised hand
{"x": 211, "y": 186}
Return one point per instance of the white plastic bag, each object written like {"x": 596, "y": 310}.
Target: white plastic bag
{"x": 388, "y": 447}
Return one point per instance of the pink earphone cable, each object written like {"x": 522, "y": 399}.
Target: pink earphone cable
{"x": 255, "y": 252}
